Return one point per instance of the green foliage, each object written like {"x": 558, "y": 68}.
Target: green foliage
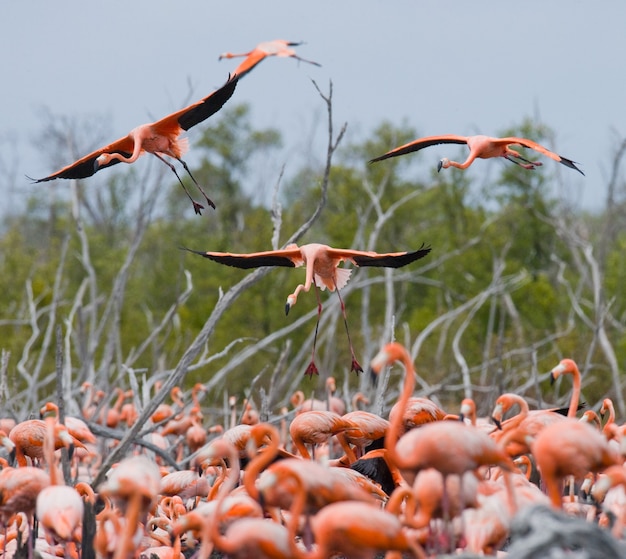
{"x": 471, "y": 232}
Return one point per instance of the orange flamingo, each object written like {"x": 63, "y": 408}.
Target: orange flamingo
{"x": 75, "y": 426}
{"x": 322, "y": 271}
{"x": 112, "y": 415}
{"x": 570, "y": 448}
{"x": 527, "y": 421}
{"x": 323, "y": 484}
{"x": 603, "y": 492}
{"x": 592, "y": 418}
{"x": 481, "y": 147}
{"x": 28, "y": 437}
{"x": 448, "y": 446}
{"x": 19, "y": 488}
{"x": 428, "y": 489}
{"x": 161, "y": 138}
{"x": 368, "y": 427}
{"x": 278, "y": 47}
{"x": 359, "y": 530}
{"x": 166, "y": 411}
{"x": 247, "y": 537}
{"x": 317, "y": 427}
{"x": 59, "y": 508}
{"x": 134, "y": 484}
{"x": 333, "y": 402}
{"x": 187, "y": 484}
{"x": 568, "y": 366}
{"x": 607, "y": 406}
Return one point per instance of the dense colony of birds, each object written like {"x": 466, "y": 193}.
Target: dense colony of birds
{"x": 326, "y": 478}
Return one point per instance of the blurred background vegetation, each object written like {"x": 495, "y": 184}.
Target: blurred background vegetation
{"x": 516, "y": 279}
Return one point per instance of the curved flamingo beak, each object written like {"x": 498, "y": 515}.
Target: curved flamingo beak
{"x": 439, "y": 165}
{"x": 497, "y": 423}
{"x": 291, "y": 301}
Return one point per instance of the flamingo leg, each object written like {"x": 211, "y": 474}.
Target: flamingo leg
{"x": 209, "y": 201}
{"x": 312, "y": 368}
{"x": 356, "y": 367}
{"x": 528, "y": 165}
{"x": 196, "y": 206}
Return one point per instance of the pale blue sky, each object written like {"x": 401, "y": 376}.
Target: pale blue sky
{"x": 440, "y": 66}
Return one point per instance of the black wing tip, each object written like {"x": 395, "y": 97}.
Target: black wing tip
{"x": 34, "y": 181}
{"x": 380, "y": 158}
{"x": 201, "y": 253}
{"x": 571, "y": 164}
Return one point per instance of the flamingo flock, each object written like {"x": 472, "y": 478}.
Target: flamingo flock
{"x": 342, "y": 482}
{"x": 328, "y": 478}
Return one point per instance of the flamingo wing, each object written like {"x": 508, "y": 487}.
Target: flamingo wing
{"x": 255, "y": 56}
{"x": 388, "y": 260}
{"x": 538, "y": 147}
{"x": 422, "y": 143}
{"x": 85, "y": 166}
{"x": 199, "y": 111}
{"x": 288, "y": 258}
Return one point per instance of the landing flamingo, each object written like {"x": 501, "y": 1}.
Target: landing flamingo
{"x": 322, "y": 271}
{"x": 161, "y": 138}
{"x": 481, "y": 147}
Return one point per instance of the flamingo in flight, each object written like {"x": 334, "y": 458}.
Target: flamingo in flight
{"x": 161, "y": 138}
{"x": 481, "y": 147}
{"x": 277, "y": 47}
{"x": 322, "y": 271}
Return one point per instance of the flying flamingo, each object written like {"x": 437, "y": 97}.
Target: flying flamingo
{"x": 161, "y": 138}
{"x": 322, "y": 271}
{"x": 481, "y": 147}
{"x": 277, "y": 47}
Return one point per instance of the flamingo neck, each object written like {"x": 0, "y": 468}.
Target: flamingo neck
{"x": 398, "y": 353}
{"x": 515, "y": 421}
{"x": 573, "y": 404}
{"x": 262, "y": 459}
{"x": 233, "y": 477}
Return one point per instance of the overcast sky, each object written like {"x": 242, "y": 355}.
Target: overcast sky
{"x": 439, "y": 66}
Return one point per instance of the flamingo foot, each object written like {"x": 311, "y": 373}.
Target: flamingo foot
{"x": 311, "y": 370}
{"x": 209, "y": 201}
{"x": 356, "y": 366}
{"x": 197, "y": 207}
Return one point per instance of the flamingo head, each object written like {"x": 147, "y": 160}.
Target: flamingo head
{"x": 468, "y": 409}
{"x": 101, "y": 160}
{"x": 225, "y": 55}
{"x": 443, "y": 164}
{"x": 291, "y": 301}
{"x": 496, "y": 416}
{"x": 555, "y": 373}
